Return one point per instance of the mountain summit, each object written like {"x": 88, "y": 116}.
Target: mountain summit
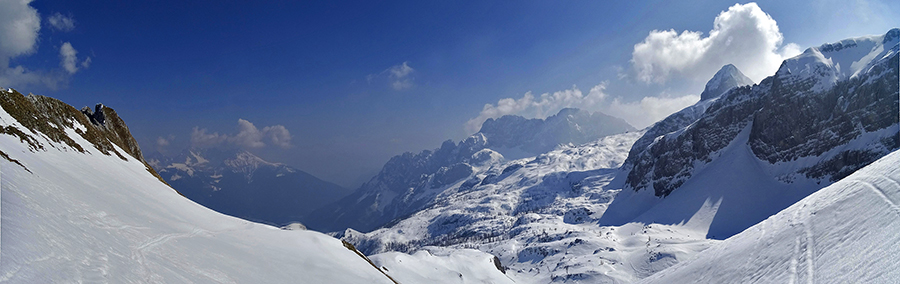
{"x": 725, "y": 79}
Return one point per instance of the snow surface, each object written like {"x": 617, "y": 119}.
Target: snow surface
{"x": 441, "y": 265}
{"x": 844, "y": 233}
{"x": 538, "y": 216}
{"x": 96, "y": 218}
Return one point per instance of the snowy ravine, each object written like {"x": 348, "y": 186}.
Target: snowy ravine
{"x": 844, "y": 233}
{"x": 77, "y": 207}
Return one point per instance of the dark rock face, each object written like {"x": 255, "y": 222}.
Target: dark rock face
{"x": 727, "y": 78}
{"x": 789, "y": 119}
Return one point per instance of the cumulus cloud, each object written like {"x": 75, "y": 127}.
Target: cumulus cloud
{"x": 639, "y": 114}
{"x": 649, "y": 109}
{"x": 399, "y": 76}
{"x": 248, "y": 136}
{"x": 202, "y": 139}
{"x": 20, "y": 26}
{"x": 542, "y": 106}
{"x": 61, "y": 23}
{"x": 68, "y": 57}
{"x": 743, "y": 35}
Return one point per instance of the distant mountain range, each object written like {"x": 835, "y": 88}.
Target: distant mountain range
{"x": 409, "y": 182}
{"x": 240, "y": 184}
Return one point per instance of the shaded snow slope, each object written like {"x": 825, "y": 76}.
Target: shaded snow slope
{"x": 844, "y": 233}
{"x": 86, "y": 216}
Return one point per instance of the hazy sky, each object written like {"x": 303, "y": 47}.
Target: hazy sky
{"x": 336, "y": 88}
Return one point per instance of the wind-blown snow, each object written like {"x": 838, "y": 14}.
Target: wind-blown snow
{"x": 844, "y": 233}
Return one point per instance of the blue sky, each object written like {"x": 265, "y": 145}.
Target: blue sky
{"x": 336, "y": 88}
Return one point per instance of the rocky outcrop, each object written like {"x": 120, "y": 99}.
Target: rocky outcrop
{"x": 50, "y": 117}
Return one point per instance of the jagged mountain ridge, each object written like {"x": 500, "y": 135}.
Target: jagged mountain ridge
{"x": 801, "y": 131}
{"x": 788, "y": 110}
{"x": 240, "y": 184}
{"x": 409, "y": 182}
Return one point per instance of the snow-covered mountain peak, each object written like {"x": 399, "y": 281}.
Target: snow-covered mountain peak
{"x": 825, "y": 65}
{"x": 725, "y": 79}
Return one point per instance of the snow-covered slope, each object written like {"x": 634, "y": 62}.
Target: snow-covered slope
{"x": 844, "y": 233}
{"x": 243, "y": 185}
{"x": 442, "y": 265}
{"x": 72, "y": 213}
{"x": 538, "y": 216}
{"x": 787, "y": 136}
{"x": 410, "y": 182}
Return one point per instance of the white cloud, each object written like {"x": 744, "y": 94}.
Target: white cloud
{"x": 278, "y": 136}
{"x": 162, "y": 142}
{"x": 540, "y": 107}
{"x": 743, "y": 35}
{"x": 68, "y": 57}
{"x": 400, "y": 76}
{"x": 200, "y": 138}
{"x": 639, "y": 114}
{"x": 19, "y": 27}
{"x": 248, "y": 136}
{"x": 649, "y": 109}
{"x": 61, "y": 23}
